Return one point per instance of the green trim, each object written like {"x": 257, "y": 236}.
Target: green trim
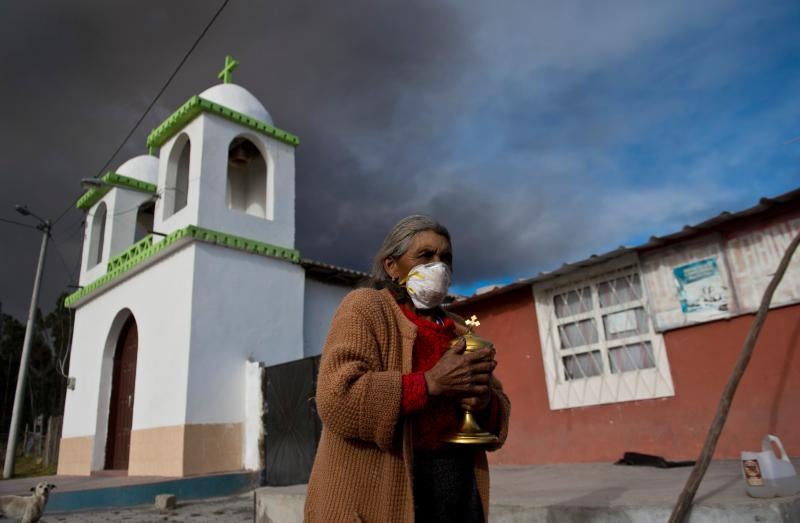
{"x": 141, "y": 251}
{"x": 177, "y": 120}
{"x": 131, "y": 252}
{"x": 92, "y": 196}
{"x": 130, "y": 183}
{"x": 122, "y": 268}
{"x": 244, "y": 244}
{"x": 196, "y": 105}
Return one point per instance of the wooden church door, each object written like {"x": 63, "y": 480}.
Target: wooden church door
{"x": 123, "y": 383}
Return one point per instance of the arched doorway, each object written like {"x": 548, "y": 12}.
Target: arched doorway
{"x": 123, "y": 383}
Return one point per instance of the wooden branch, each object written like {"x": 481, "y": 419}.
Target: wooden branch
{"x": 693, "y": 482}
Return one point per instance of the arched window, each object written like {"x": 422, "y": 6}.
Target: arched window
{"x": 246, "y": 187}
{"x": 97, "y": 235}
{"x": 144, "y": 221}
{"x": 177, "y": 189}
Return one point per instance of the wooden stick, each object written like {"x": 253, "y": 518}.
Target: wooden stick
{"x": 690, "y": 489}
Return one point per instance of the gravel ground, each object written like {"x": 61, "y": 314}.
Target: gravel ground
{"x": 231, "y": 509}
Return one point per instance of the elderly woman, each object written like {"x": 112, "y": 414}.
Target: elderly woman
{"x": 391, "y": 388}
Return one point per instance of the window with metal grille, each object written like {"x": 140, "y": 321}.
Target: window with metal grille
{"x": 603, "y": 327}
{"x": 598, "y": 341}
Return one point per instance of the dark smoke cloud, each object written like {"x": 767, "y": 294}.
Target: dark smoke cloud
{"x": 336, "y": 74}
{"x": 539, "y": 132}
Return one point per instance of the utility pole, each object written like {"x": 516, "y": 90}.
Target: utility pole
{"x": 8, "y": 374}
{"x": 16, "y": 414}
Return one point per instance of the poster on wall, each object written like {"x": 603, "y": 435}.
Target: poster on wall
{"x": 701, "y": 290}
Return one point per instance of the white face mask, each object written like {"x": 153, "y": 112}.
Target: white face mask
{"x": 427, "y": 284}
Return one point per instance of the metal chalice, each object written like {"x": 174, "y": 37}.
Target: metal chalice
{"x": 470, "y": 432}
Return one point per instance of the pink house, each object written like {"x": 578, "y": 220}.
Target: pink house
{"x": 630, "y": 350}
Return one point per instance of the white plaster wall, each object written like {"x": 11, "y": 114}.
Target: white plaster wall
{"x": 657, "y": 271}
{"x": 754, "y": 256}
{"x": 254, "y": 409}
{"x": 217, "y": 136}
{"x": 122, "y": 207}
{"x": 245, "y": 307}
{"x": 88, "y": 344}
{"x": 746, "y": 260}
{"x": 160, "y": 300}
{"x": 320, "y": 304}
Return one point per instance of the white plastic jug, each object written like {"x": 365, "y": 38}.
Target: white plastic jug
{"x": 767, "y": 476}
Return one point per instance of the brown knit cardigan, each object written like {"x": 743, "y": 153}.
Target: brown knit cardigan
{"x": 362, "y": 470}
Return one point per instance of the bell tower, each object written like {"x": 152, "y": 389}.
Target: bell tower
{"x": 189, "y": 264}
{"x": 224, "y": 166}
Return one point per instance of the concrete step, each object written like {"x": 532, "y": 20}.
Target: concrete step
{"x": 597, "y": 493}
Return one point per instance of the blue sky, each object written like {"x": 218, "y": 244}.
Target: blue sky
{"x": 682, "y": 115}
{"x": 539, "y": 132}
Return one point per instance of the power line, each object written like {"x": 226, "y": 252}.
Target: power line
{"x": 71, "y": 274}
{"x": 75, "y": 227}
{"x": 152, "y": 103}
{"x": 64, "y": 263}
{"x": 12, "y": 222}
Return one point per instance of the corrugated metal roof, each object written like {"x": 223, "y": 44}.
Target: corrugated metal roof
{"x": 764, "y": 205}
{"x": 333, "y": 273}
{"x": 350, "y": 277}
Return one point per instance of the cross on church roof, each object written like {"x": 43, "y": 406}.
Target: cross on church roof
{"x": 225, "y": 74}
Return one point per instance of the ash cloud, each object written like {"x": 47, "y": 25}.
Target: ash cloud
{"x": 538, "y": 132}
{"x": 335, "y": 74}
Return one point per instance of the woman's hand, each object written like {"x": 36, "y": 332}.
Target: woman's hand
{"x": 461, "y": 374}
{"x": 477, "y": 403}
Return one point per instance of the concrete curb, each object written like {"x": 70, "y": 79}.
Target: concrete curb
{"x": 780, "y": 510}
{"x": 285, "y": 505}
{"x": 278, "y": 508}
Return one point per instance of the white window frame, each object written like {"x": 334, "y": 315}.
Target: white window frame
{"x": 607, "y": 387}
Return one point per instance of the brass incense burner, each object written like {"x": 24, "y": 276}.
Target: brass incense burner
{"x": 470, "y": 432}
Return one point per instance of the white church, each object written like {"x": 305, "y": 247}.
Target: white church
{"x": 189, "y": 283}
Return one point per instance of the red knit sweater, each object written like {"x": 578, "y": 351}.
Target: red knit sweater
{"x": 432, "y": 418}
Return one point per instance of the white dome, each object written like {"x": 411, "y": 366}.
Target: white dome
{"x": 143, "y": 168}
{"x": 239, "y": 99}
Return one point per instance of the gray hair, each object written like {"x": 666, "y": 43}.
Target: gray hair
{"x": 397, "y": 242}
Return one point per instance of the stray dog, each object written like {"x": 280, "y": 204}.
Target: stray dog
{"x": 26, "y": 509}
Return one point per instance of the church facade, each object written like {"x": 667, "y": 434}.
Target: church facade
{"x": 190, "y": 283}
